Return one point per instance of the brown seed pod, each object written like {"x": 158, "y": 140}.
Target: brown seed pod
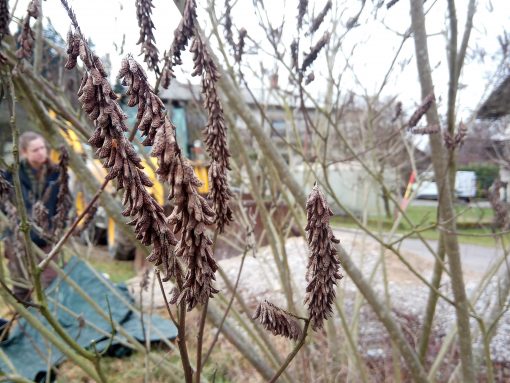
{"x": 317, "y": 21}
{"x": 26, "y": 38}
{"x": 314, "y": 52}
{"x": 323, "y": 269}
{"x": 215, "y": 133}
{"x": 191, "y": 213}
{"x": 147, "y": 39}
{"x": 422, "y": 109}
{"x": 277, "y": 321}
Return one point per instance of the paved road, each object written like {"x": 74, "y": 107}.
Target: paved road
{"x": 474, "y": 204}
{"x": 474, "y": 257}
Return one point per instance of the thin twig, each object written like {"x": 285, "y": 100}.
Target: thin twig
{"x": 167, "y": 305}
{"x": 293, "y": 353}
{"x": 200, "y": 336}
{"x": 44, "y": 263}
{"x": 218, "y": 331}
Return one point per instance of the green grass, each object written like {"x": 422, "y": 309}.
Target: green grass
{"x": 474, "y": 223}
{"x": 119, "y": 271}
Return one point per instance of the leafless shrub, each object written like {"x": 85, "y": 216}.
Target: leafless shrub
{"x": 422, "y": 109}
{"x": 147, "y": 39}
{"x": 26, "y": 38}
{"x": 191, "y": 213}
{"x": 314, "y": 51}
{"x": 215, "y": 133}
{"x": 317, "y": 21}
{"x": 277, "y": 321}
{"x": 323, "y": 266}
{"x": 117, "y": 153}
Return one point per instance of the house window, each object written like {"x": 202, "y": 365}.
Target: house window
{"x": 278, "y": 128}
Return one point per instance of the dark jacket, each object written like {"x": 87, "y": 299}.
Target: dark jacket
{"x": 47, "y": 192}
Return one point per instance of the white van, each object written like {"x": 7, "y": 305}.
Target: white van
{"x": 465, "y": 186}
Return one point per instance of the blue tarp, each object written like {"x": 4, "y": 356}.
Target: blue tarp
{"x": 31, "y": 354}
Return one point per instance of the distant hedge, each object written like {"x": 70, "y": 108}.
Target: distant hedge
{"x": 485, "y": 176}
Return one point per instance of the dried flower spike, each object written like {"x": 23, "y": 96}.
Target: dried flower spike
{"x": 215, "y": 133}
{"x": 4, "y": 18}
{"x": 277, "y": 321}
{"x": 398, "y": 111}
{"x": 302, "y": 7}
{"x": 229, "y": 35}
{"x": 422, "y": 109}
{"x": 239, "y": 51}
{"x": 433, "y": 129}
{"x": 118, "y": 154}
{"x": 323, "y": 266}
{"x": 184, "y": 31}
{"x": 147, "y": 39}
{"x": 89, "y": 217}
{"x": 191, "y": 213}
{"x": 40, "y": 216}
{"x": 314, "y": 52}
{"x": 316, "y": 22}
{"x": 5, "y": 188}
{"x": 64, "y": 200}
{"x": 27, "y": 38}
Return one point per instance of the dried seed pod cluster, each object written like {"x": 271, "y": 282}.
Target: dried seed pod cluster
{"x": 89, "y": 217}
{"x": 294, "y": 52}
{"x": 323, "y": 269}
{"x": 191, "y": 214}
{"x": 26, "y": 38}
{"x": 184, "y": 31}
{"x": 314, "y": 52}
{"x": 40, "y": 215}
{"x": 317, "y": 21}
{"x": 277, "y": 321}
{"x": 64, "y": 200}
{"x": 182, "y": 35}
{"x": 117, "y": 153}
{"x": 4, "y": 18}
{"x": 239, "y": 48}
{"x": 302, "y": 7}
{"x": 147, "y": 39}
{"x": 5, "y": 188}
{"x": 215, "y": 133}
{"x": 422, "y": 109}
{"x": 229, "y": 35}
{"x": 458, "y": 139}
{"x": 432, "y": 129}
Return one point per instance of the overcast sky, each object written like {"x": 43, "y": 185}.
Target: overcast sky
{"x": 107, "y": 22}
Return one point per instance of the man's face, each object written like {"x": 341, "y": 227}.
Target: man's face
{"x": 36, "y": 153}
